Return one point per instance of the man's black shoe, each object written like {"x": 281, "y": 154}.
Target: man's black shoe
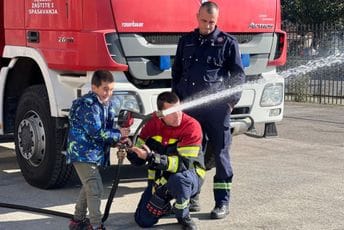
{"x": 187, "y": 223}
{"x": 194, "y": 204}
{"x": 219, "y": 212}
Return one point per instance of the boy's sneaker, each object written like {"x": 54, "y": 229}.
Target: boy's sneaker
{"x": 79, "y": 224}
{"x": 101, "y": 227}
{"x": 90, "y": 227}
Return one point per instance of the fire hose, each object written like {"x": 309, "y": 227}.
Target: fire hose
{"x": 125, "y": 120}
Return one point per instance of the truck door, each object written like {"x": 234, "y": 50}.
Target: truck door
{"x": 48, "y": 20}
{"x": 2, "y": 33}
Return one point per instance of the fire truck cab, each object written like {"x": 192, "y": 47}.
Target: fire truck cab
{"x": 50, "y": 49}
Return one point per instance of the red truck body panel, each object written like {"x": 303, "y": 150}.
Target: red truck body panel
{"x": 2, "y": 34}
{"x": 71, "y": 33}
{"x": 180, "y": 15}
{"x": 14, "y": 23}
{"x": 70, "y": 38}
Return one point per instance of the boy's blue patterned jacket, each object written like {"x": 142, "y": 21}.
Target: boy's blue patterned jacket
{"x": 91, "y": 131}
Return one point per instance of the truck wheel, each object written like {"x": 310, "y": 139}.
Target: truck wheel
{"x": 38, "y": 142}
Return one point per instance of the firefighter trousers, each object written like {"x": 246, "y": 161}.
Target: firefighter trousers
{"x": 180, "y": 186}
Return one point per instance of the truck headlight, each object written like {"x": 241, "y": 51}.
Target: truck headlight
{"x": 126, "y": 100}
{"x": 272, "y": 95}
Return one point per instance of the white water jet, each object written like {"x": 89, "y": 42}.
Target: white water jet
{"x": 310, "y": 66}
{"x": 210, "y": 98}
{"x": 313, "y": 65}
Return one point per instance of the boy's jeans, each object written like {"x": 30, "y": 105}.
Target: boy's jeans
{"x": 90, "y": 193}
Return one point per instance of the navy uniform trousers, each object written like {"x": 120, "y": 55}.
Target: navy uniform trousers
{"x": 215, "y": 124}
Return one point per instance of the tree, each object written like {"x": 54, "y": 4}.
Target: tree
{"x": 313, "y": 11}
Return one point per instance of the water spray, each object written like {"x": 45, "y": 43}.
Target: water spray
{"x": 294, "y": 72}
{"x": 204, "y": 100}
{"x": 161, "y": 113}
{"x": 313, "y": 65}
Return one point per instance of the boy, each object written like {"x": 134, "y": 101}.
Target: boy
{"x": 91, "y": 134}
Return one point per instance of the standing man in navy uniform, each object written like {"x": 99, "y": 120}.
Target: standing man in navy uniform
{"x": 207, "y": 61}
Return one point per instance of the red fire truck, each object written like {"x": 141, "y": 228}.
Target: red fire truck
{"x": 50, "y": 48}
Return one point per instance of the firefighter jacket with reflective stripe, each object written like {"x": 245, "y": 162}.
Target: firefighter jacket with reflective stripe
{"x": 180, "y": 147}
{"x": 91, "y": 131}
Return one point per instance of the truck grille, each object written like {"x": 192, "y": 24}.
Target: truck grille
{"x": 172, "y": 38}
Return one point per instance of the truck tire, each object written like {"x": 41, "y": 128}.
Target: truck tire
{"x": 38, "y": 142}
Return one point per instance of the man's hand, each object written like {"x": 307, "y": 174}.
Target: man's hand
{"x": 126, "y": 142}
{"x": 230, "y": 107}
{"x": 141, "y": 153}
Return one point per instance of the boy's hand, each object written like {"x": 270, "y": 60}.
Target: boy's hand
{"x": 124, "y": 132}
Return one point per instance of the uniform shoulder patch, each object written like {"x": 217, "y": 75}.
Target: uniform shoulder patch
{"x": 220, "y": 39}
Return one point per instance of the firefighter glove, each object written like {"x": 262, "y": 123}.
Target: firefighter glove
{"x": 157, "y": 161}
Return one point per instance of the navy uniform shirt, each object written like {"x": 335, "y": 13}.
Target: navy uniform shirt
{"x": 207, "y": 64}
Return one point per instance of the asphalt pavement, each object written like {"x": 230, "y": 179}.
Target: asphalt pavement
{"x": 292, "y": 181}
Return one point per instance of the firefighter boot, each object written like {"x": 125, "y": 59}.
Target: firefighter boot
{"x": 194, "y": 204}
{"x": 219, "y": 212}
{"x": 187, "y": 223}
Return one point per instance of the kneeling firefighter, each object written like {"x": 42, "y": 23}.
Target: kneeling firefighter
{"x": 171, "y": 145}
